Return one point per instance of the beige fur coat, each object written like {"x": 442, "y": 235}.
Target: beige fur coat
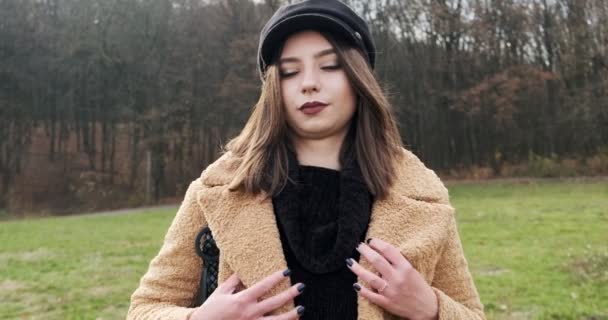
{"x": 416, "y": 217}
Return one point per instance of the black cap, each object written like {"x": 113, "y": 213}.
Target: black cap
{"x": 323, "y": 15}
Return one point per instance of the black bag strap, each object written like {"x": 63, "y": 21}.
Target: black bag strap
{"x": 209, "y": 252}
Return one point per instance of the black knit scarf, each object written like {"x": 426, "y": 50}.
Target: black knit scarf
{"x": 354, "y": 210}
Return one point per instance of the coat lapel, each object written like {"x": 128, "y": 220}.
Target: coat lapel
{"x": 245, "y": 230}
{"x": 416, "y": 228}
{"x": 412, "y": 218}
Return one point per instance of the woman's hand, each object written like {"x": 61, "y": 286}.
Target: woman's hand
{"x": 246, "y": 304}
{"x": 400, "y": 289}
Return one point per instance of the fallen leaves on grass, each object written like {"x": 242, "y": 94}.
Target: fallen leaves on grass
{"x": 592, "y": 266}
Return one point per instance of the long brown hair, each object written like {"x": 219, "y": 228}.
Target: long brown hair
{"x": 373, "y": 137}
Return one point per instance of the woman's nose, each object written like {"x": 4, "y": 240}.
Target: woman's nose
{"x": 310, "y": 81}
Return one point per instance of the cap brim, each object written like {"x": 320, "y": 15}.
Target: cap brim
{"x": 307, "y": 21}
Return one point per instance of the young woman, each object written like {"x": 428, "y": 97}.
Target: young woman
{"x": 317, "y": 209}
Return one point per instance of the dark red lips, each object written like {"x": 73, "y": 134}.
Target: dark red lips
{"x": 313, "y": 104}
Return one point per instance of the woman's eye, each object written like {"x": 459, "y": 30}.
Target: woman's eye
{"x": 286, "y": 74}
{"x": 332, "y": 67}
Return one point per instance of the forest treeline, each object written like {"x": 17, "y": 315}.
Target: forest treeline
{"x": 137, "y": 95}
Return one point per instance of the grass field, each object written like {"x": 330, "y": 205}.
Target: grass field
{"x": 536, "y": 250}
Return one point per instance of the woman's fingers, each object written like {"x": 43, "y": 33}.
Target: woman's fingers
{"x": 263, "y": 286}
{"x": 280, "y": 299}
{"x": 374, "y": 297}
{"x": 388, "y": 251}
{"x": 377, "y": 260}
{"x": 247, "y": 305}
{"x": 369, "y": 277}
{"x": 295, "y": 313}
{"x": 229, "y": 285}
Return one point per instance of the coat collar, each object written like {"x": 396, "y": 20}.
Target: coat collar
{"x": 245, "y": 228}
{"x": 414, "y": 181}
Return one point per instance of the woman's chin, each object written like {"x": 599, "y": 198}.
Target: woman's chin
{"x": 316, "y": 133}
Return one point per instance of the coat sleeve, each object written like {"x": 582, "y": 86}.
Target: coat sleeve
{"x": 453, "y": 284}
{"x": 171, "y": 283}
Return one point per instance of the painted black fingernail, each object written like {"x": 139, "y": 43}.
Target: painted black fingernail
{"x": 301, "y": 287}
{"x": 356, "y": 286}
{"x": 368, "y": 240}
{"x": 286, "y": 272}
{"x": 349, "y": 262}
{"x": 300, "y": 310}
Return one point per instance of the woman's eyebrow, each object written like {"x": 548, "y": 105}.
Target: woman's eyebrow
{"x": 316, "y": 56}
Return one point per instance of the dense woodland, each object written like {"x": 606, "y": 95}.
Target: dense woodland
{"x": 138, "y": 95}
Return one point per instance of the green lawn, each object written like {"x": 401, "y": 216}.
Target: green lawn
{"x": 537, "y": 251}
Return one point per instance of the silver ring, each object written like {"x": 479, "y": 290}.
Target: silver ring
{"x": 383, "y": 287}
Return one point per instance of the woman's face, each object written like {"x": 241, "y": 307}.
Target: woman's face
{"x": 310, "y": 73}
